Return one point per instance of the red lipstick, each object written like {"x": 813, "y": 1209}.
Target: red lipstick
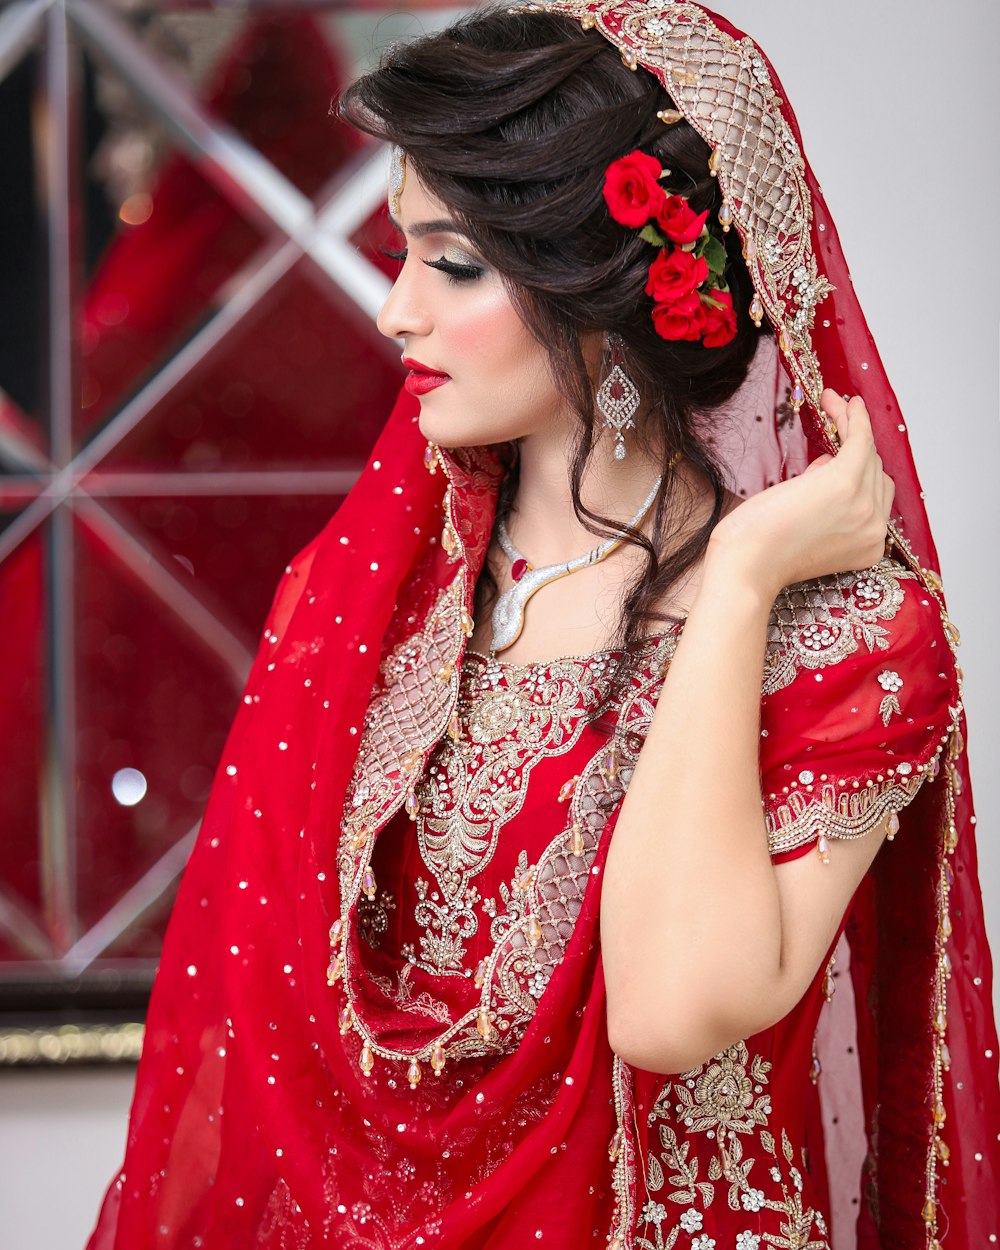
{"x": 422, "y": 379}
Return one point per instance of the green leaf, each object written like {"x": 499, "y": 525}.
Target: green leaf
{"x": 652, "y": 235}
{"x": 715, "y": 254}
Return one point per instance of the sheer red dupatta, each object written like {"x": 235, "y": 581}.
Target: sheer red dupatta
{"x": 230, "y": 1089}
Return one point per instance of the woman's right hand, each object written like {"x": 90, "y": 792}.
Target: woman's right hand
{"x": 830, "y": 519}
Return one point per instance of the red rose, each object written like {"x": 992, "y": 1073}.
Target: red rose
{"x": 674, "y": 274}
{"x": 681, "y": 319}
{"x": 631, "y": 190}
{"x": 719, "y": 318}
{"x": 679, "y": 221}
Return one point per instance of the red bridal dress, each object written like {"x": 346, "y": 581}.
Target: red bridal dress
{"x": 379, "y": 1021}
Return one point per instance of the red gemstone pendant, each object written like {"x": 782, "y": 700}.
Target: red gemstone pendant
{"x": 518, "y": 569}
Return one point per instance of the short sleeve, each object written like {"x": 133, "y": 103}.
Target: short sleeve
{"x": 859, "y": 697}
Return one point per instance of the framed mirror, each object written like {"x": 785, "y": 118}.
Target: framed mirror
{"x": 190, "y": 380}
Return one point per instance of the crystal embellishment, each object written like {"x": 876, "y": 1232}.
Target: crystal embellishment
{"x": 618, "y": 400}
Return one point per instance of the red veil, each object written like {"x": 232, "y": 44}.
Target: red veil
{"x": 275, "y": 1109}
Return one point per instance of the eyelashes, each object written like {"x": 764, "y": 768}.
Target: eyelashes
{"x": 454, "y": 271}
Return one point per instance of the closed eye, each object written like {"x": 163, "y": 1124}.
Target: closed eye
{"x": 455, "y": 272}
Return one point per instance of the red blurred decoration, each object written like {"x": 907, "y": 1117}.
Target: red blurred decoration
{"x": 171, "y": 583}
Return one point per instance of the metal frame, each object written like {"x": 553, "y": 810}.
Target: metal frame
{"x": 69, "y": 485}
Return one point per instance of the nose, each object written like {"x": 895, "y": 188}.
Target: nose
{"x": 404, "y": 314}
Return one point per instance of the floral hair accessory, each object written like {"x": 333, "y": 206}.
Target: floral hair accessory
{"x": 692, "y": 301}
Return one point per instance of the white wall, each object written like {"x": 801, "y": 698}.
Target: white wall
{"x": 62, "y": 1135}
{"x": 899, "y": 113}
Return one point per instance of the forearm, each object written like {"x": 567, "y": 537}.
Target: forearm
{"x": 690, "y": 918}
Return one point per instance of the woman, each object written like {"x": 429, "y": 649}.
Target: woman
{"x": 574, "y": 824}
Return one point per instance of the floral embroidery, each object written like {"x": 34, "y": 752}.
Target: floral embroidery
{"x": 656, "y": 1213}
{"x": 691, "y": 1220}
{"x": 814, "y": 625}
{"x": 722, "y": 1095}
{"x": 399, "y": 992}
{"x": 797, "y": 1227}
{"x": 723, "y": 1104}
{"x": 819, "y": 623}
{"x": 891, "y": 683}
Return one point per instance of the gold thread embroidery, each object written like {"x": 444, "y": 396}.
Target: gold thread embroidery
{"x": 543, "y": 900}
{"x": 724, "y": 1101}
{"x": 477, "y": 783}
{"x": 891, "y": 683}
{"x": 373, "y": 917}
{"x": 839, "y": 813}
{"x": 820, "y": 623}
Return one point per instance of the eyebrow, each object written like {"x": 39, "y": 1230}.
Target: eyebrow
{"x": 424, "y": 228}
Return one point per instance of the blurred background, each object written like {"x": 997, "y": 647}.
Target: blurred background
{"x": 191, "y": 379}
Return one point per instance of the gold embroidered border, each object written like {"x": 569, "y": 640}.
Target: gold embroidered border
{"x": 838, "y": 813}
{"x": 622, "y": 1153}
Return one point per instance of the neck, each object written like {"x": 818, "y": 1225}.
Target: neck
{"x": 543, "y": 524}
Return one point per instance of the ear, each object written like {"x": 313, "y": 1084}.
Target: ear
{"x": 595, "y": 347}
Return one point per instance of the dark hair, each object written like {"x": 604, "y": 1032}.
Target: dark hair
{"x": 510, "y": 118}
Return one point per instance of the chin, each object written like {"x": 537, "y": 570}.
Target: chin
{"x": 450, "y": 432}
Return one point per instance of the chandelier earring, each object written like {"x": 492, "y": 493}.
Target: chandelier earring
{"x": 618, "y": 396}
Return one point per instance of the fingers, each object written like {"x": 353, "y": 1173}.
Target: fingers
{"x": 859, "y": 426}
{"x": 835, "y": 407}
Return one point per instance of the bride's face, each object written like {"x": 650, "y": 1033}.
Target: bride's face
{"x": 480, "y": 374}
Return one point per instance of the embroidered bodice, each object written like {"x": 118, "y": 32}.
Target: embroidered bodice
{"x": 452, "y": 877}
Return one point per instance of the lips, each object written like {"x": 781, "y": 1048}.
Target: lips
{"x": 421, "y": 378}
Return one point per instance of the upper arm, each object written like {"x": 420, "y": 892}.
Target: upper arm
{"x": 813, "y": 898}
